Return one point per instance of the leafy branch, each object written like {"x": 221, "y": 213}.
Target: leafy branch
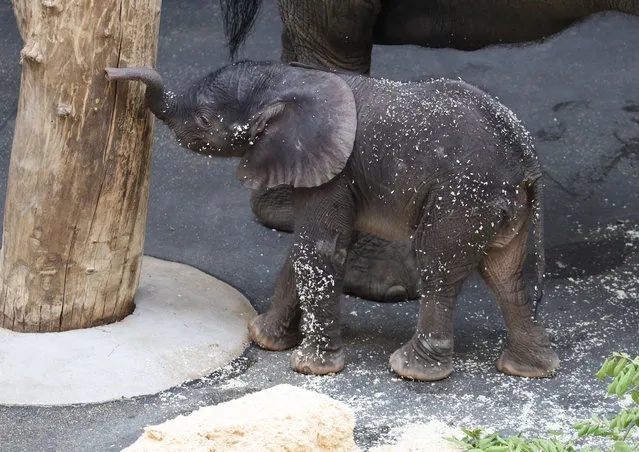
{"x": 619, "y": 428}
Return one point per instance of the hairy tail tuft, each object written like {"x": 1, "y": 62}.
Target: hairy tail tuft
{"x": 238, "y": 17}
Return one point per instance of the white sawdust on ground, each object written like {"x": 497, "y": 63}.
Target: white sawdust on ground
{"x": 506, "y": 404}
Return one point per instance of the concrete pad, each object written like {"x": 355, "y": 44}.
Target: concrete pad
{"x": 185, "y": 325}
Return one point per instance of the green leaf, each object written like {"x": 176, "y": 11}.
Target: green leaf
{"x": 582, "y": 429}
{"x": 625, "y": 419}
{"x": 606, "y": 369}
{"x": 621, "y": 446}
{"x": 621, "y": 363}
{"x": 625, "y": 381}
{"x": 625, "y": 373}
{"x": 484, "y": 442}
{"x": 612, "y": 387}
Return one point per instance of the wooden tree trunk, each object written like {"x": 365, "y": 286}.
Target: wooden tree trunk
{"x": 77, "y": 192}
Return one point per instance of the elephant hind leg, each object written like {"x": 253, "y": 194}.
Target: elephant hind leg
{"x": 528, "y": 352}
{"x": 448, "y": 248}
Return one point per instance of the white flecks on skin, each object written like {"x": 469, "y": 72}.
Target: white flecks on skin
{"x": 169, "y": 97}
{"x": 443, "y": 134}
{"x": 314, "y": 285}
{"x": 240, "y": 130}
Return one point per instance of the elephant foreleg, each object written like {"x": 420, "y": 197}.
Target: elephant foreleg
{"x": 325, "y": 222}
{"x": 319, "y": 267}
{"x": 336, "y": 35}
{"x": 278, "y": 328}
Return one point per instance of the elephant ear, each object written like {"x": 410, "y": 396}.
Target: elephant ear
{"x": 304, "y": 134}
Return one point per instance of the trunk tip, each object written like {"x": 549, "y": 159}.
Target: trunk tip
{"x": 145, "y": 74}
{"x": 110, "y": 72}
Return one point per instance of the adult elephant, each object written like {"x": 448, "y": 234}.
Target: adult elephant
{"x": 340, "y": 34}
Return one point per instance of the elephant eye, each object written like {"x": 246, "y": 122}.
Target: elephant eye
{"x": 203, "y": 120}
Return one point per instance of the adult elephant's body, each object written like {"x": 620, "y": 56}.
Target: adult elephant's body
{"x": 341, "y": 33}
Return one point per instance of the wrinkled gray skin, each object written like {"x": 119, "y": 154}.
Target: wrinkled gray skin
{"x": 376, "y": 269}
{"x": 439, "y": 164}
{"x": 340, "y": 34}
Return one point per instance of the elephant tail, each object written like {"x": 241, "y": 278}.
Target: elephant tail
{"x": 238, "y": 18}
{"x": 538, "y": 222}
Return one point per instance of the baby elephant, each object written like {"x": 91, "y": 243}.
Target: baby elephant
{"x": 439, "y": 162}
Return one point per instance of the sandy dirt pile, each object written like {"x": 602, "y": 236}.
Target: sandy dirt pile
{"x": 281, "y": 418}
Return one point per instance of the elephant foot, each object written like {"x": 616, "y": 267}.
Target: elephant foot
{"x": 542, "y": 363}
{"x": 381, "y": 270}
{"x": 529, "y": 356}
{"x": 424, "y": 360}
{"x": 272, "y": 335}
{"x": 310, "y": 358}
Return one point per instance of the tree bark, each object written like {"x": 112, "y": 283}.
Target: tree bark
{"x": 77, "y": 191}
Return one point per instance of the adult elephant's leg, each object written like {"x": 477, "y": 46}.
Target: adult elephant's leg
{"x": 288, "y": 50}
{"x": 273, "y": 207}
{"x": 336, "y": 34}
{"x": 381, "y": 270}
{"x": 376, "y": 269}
{"x": 528, "y": 352}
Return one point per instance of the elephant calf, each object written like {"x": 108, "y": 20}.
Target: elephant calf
{"x": 440, "y": 163}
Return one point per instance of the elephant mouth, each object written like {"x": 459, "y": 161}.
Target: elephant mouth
{"x": 206, "y": 149}
{"x": 203, "y": 148}
{"x": 196, "y": 145}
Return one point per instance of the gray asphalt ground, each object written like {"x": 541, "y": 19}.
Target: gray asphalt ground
{"x": 577, "y": 92}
